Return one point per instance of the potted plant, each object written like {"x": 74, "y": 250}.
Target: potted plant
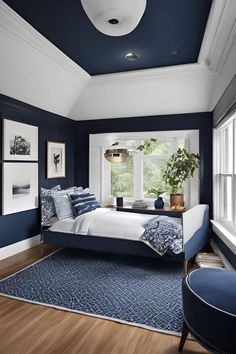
{"x": 158, "y": 203}
{"x": 179, "y": 167}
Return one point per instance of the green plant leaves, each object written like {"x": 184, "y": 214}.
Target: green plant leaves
{"x": 156, "y": 191}
{"x": 179, "y": 167}
{"x": 148, "y": 146}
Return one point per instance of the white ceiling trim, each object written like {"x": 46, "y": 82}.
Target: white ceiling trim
{"x": 166, "y": 73}
{"x": 214, "y": 25}
{"x": 220, "y": 34}
{"x": 16, "y": 27}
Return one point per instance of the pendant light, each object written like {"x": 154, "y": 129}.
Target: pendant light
{"x": 114, "y": 17}
{"x": 115, "y": 153}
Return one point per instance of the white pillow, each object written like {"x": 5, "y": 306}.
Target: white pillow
{"x": 62, "y": 203}
{"x": 63, "y": 206}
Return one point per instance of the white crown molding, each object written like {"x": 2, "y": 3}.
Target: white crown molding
{"x": 228, "y": 48}
{"x": 220, "y": 34}
{"x": 165, "y": 73}
{"x": 16, "y": 27}
{"x": 214, "y": 25}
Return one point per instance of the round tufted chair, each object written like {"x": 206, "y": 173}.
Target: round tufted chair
{"x": 209, "y": 309}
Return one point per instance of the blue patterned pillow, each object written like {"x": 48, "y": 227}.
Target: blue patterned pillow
{"x": 47, "y": 205}
{"x": 83, "y": 203}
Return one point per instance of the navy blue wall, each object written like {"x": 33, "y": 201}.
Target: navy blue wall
{"x": 201, "y": 121}
{"x": 19, "y": 226}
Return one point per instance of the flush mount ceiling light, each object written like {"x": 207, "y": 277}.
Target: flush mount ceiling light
{"x": 116, "y": 153}
{"x": 114, "y": 17}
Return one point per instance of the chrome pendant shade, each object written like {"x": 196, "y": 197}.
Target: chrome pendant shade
{"x": 114, "y": 17}
{"x": 116, "y": 154}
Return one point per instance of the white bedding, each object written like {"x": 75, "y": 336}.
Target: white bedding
{"x": 106, "y": 222}
{"x": 65, "y": 225}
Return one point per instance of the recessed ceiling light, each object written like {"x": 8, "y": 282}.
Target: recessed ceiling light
{"x": 131, "y": 56}
{"x": 174, "y": 52}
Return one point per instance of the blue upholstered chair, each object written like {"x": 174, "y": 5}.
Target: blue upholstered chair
{"x": 209, "y": 309}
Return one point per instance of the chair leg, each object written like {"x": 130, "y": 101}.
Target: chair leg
{"x": 185, "y": 332}
{"x": 186, "y": 267}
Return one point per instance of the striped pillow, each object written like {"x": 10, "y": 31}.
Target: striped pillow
{"x": 83, "y": 203}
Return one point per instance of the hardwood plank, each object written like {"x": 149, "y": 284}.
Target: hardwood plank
{"x": 33, "y": 329}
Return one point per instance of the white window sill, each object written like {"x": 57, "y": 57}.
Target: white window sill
{"x": 225, "y": 235}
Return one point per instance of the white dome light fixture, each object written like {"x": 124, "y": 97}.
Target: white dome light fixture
{"x": 114, "y": 17}
{"x": 115, "y": 153}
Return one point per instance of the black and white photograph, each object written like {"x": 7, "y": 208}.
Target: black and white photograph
{"x": 55, "y": 160}
{"x": 20, "y": 187}
{"x": 20, "y": 145}
{"x": 20, "y": 141}
{"x": 20, "y": 190}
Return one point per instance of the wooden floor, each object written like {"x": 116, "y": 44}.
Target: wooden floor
{"x": 27, "y": 328}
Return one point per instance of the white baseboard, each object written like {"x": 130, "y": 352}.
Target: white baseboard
{"x": 17, "y": 247}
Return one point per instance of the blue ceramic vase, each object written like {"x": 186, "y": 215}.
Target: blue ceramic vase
{"x": 159, "y": 203}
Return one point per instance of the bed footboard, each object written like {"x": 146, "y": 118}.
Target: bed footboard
{"x": 195, "y": 230}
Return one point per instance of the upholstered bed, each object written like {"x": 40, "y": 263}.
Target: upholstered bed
{"x": 119, "y": 232}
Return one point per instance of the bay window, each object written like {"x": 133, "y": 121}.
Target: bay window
{"x": 133, "y": 178}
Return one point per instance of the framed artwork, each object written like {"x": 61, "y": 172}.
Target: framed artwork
{"x": 20, "y": 187}
{"x": 56, "y": 159}
{"x": 20, "y": 141}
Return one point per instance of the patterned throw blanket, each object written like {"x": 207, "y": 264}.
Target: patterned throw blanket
{"x": 163, "y": 235}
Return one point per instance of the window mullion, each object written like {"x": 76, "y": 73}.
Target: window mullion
{"x": 138, "y": 176}
{"x": 234, "y": 175}
{"x": 216, "y": 176}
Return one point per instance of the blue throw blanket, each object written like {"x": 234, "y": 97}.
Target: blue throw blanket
{"x": 163, "y": 235}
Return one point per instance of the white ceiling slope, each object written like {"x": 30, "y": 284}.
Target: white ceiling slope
{"x": 33, "y": 70}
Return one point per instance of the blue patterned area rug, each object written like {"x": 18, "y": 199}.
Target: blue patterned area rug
{"x": 133, "y": 290}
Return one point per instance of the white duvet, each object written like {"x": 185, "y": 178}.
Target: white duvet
{"x": 107, "y": 223}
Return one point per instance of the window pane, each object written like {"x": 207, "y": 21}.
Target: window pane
{"x": 227, "y": 149}
{"x": 181, "y": 143}
{"x": 162, "y": 149}
{"x": 234, "y": 138}
{"x": 122, "y": 178}
{"x": 227, "y": 197}
{"x": 152, "y": 174}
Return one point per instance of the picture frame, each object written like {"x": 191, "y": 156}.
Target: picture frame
{"x": 56, "y": 159}
{"x": 20, "y": 141}
{"x": 20, "y": 187}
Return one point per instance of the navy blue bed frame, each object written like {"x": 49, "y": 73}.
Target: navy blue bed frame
{"x": 104, "y": 244}
{"x": 119, "y": 246}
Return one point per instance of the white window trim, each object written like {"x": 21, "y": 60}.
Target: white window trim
{"x": 225, "y": 230}
{"x": 225, "y": 235}
{"x": 97, "y": 164}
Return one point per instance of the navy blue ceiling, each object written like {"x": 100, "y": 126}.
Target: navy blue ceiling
{"x": 170, "y": 33}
